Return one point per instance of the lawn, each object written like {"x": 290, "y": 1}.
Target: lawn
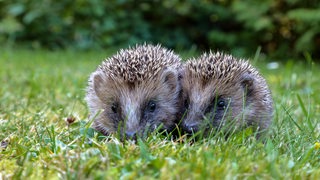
{"x": 41, "y": 91}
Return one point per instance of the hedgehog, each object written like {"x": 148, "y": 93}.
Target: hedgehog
{"x": 222, "y": 92}
{"x": 135, "y": 91}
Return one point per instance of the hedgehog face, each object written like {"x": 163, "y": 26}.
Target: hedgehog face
{"x": 219, "y": 90}
{"x": 134, "y": 108}
{"x": 210, "y": 103}
{"x": 135, "y": 91}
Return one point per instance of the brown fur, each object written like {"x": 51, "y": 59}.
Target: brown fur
{"x": 135, "y": 90}
{"x": 218, "y": 78}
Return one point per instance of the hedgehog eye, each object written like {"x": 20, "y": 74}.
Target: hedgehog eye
{"x": 114, "y": 107}
{"x": 221, "y": 104}
{"x": 217, "y": 104}
{"x": 151, "y": 106}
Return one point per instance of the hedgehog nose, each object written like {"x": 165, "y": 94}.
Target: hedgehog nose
{"x": 190, "y": 128}
{"x": 131, "y": 135}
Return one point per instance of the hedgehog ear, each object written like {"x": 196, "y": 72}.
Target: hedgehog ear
{"x": 98, "y": 83}
{"x": 171, "y": 78}
{"x": 247, "y": 83}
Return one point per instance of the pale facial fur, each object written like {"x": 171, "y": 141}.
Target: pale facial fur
{"x": 220, "y": 90}
{"x": 135, "y": 91}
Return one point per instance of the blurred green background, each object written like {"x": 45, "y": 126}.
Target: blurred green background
{"x": 281, "y": 28}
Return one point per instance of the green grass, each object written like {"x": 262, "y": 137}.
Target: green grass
{"x": 40, "y": 90}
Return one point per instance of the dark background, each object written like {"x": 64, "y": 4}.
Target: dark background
{"x": 281, "y": 28}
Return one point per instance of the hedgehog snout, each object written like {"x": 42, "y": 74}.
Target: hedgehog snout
{"x": 190, "y": 128}
{"x": 131, "y": 135}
